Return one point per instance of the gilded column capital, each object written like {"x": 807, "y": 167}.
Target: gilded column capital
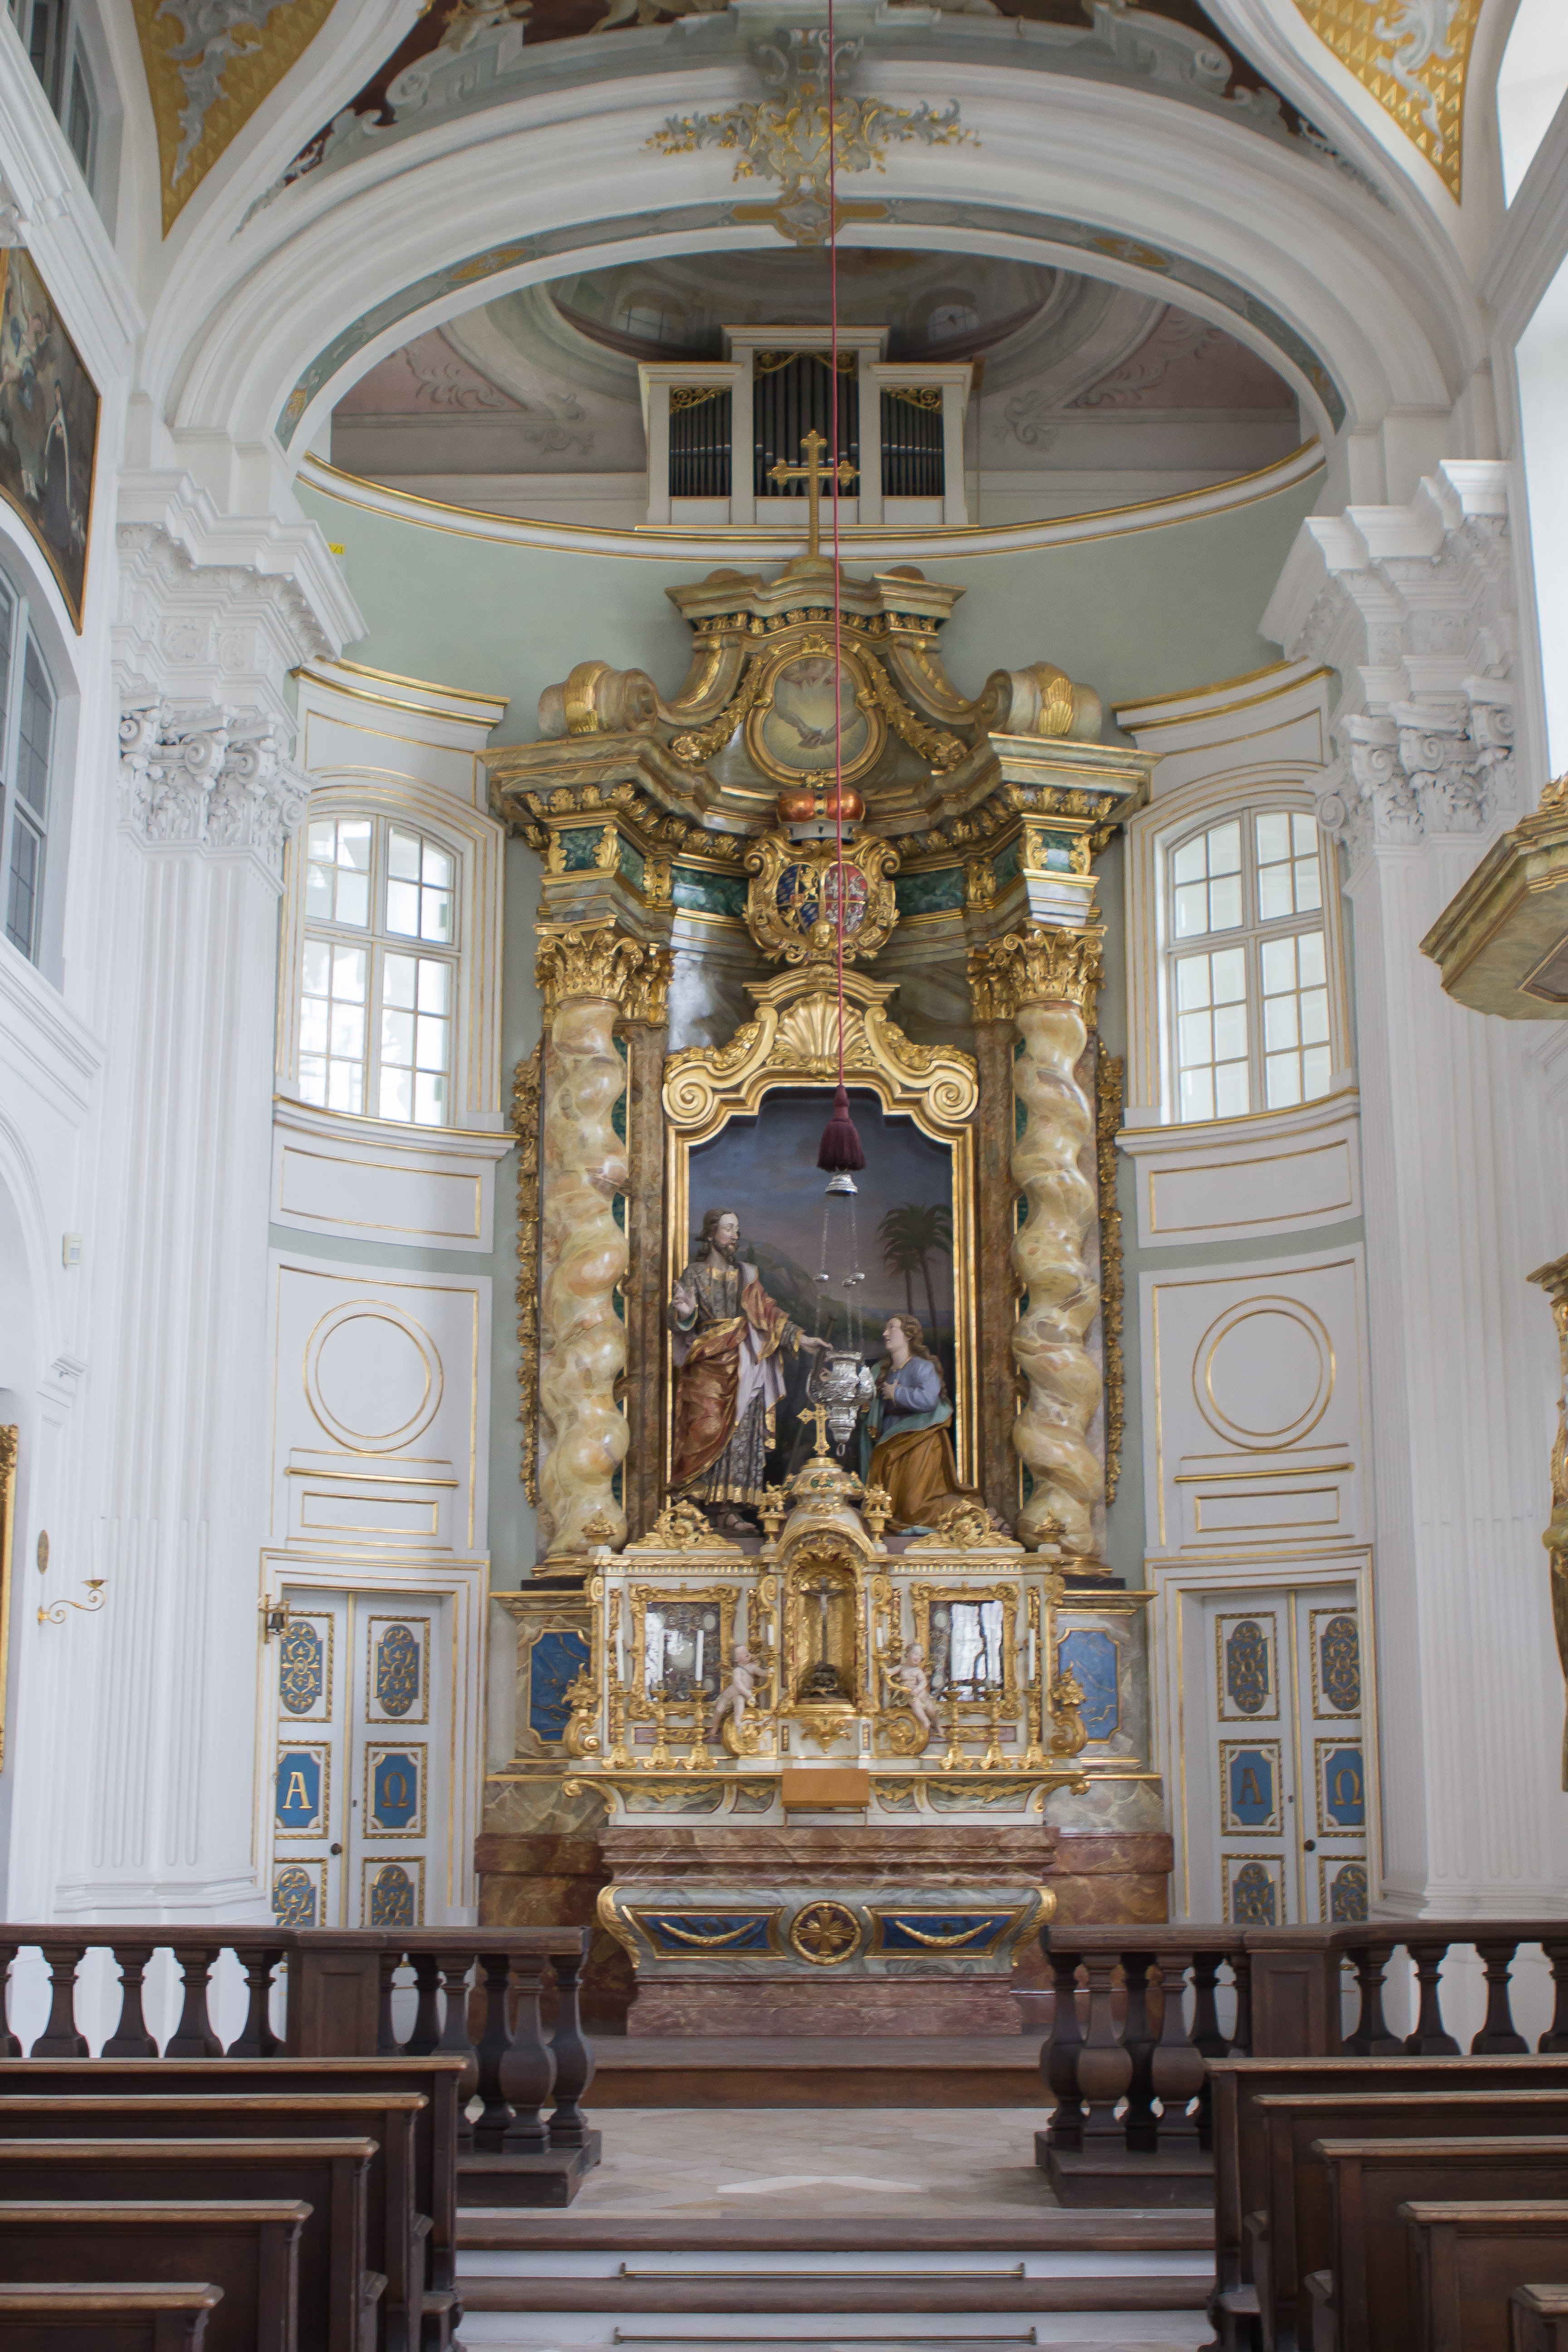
{"x": 599, "y": 961}
{"x": 1036, "y": 966}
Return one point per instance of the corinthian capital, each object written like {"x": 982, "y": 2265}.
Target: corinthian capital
{"x": 599, "y": 961}
{"x": 203, "y": 777}
{"x": 1036, "y": 966}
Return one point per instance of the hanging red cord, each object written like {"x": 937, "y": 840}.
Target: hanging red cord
{"x": 841, "y": 1148}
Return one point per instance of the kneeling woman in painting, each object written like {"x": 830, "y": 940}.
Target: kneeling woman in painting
{"x": 904, "y": 1441}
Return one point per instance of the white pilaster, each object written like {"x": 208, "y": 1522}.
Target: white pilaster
{"x": 162, "y": 1744}
{"x": 1462, "y": 1197}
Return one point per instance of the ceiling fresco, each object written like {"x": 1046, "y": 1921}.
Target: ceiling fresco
{"x": 208, "y": 69}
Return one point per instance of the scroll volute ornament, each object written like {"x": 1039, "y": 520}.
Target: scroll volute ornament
{"x": 597, "y": 699}
{"x": 1040, "y": 700}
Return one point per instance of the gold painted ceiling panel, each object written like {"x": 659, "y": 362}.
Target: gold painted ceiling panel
{"x": 205, "y": 83}
{"x": 1414, "y": 56}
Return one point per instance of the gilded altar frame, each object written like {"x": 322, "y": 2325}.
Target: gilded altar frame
{"x": 790, "y": 1044}
{"x": 923, "y": 1597}
{"x": 641, "y": 1598}
{"x": 834, "y": 1553}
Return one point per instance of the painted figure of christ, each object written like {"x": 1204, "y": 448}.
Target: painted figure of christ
{"x": 728, "y": 1338}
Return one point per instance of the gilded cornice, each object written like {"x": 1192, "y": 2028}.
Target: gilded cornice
{"x": 1414, "y": 56}
{"x": 1502, "y": 942}
{"x": 599, "y": 961}
{"x": 1036, "y": 966}
{"x": 208, "y": 69}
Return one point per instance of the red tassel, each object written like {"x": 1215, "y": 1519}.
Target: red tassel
{"x": 841, "y": 1147}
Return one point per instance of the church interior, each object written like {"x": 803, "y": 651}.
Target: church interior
{"x": 783, "y": 1286}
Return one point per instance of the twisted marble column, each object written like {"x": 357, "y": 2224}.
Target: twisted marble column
{"x": 589, "y": 979}
{"x": 1048, "y": 977}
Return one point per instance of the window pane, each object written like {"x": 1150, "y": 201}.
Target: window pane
{"x": 318, "y": 892}
{"x": 1315, "y": 1016}
{"x": 1279, "y": 961}
{"x": 1224, "y": 903}
{"x": 348, "y": 974}
{"x": 79, "y": 125}
{"x": 348, "y": 1029}
{"x": 1192, "y": 981}
{"x": 1309, "y": 884}
{"x": 1275, "y": 897}
{"x": 1194, "y": 1038}
{"x": 1225, "y": 849}
{"x": 337, "y": 880}
{"x": 397, "y": 1039}
{"x": 37, "y": 732}
{"x": 435, "y": 915}
{"x": 314, "y": 1079}
{"x": 435, "y": 985}
{"x": 1283, "y": 1080}
{"x": 22, "y": 889}
{"x": 318, "y": 967}
{"x": 402, "y": 909}
{"x": 429, "y": 1101}
{"x": 433, "y": 1037}
{"x": 1279, "y": 1027}
{"x": 1197, "y": 1094}
{"x": 1233, "y": 1093}
{"x": 1314, "y": 961}
{"x": 402, "y": 858}
{"x": 1229, "y": 970}
{"x": 345, "y": 1087}
{"x": 1305, "y": 832}
{"x": 1230, "y": 1033}
{"x": 396, "y": 1094}
{"x": 1190, "y": 862}
{"x": 438, "y": 867}
{"x": 313, "y": 1025}
{"x": 1191, "y": 909}
{"x": 1315, "y": 1073}
{"x": 354, "y": 900}
{"x": 398, "y": 980}
{"x": 1273, "y": 836}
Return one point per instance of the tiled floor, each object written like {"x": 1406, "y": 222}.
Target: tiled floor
{"x": 784, "y": 2162}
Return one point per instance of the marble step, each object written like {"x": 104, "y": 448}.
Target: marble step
{"x": 892, "y": 2070}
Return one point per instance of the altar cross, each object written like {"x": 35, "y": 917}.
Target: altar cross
{"x": 813, "y": 473}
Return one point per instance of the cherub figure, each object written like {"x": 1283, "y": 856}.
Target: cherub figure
{"x": 909, "y": 1677}
{"x": 739, "y": 1691}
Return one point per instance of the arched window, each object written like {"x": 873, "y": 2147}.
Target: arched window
{"x": 1248, "y": 955}
{"x": 379, "y": 985}
{"x": 27, "y": 705}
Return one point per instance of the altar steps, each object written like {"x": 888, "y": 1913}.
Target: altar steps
{"x": 1137, "y": 2283}
{"x": 975, "y": 2070}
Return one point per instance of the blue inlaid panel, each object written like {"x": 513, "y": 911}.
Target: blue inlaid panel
{"x": 1254, "y": 1895}
{"x": 581, "y": 844}
{"x": 942, "y": 1931}
{"x": 1091, "y": 1656}
{"x": 398, "y": 1671}
{"x": 718, "y": 1931}
{"x": 392, "y": 1893}
{"x": 395, "y": 1791}
{"x": 297, "y": 1894}
{"x": 304, "y": 1667}
{"x": 1007, "y": 864}
{"x": 555, "y": 1659}
{"x": 1249, "y": 1678}
{"x": 1336, "y": 1662}
{"x": 1344, "y": 1893}
{"x": 1341, "y": 1789}
{"x": 634, "y": 866}
{"x": 706, "y": 894}
{"x": 1250, "y": 1786}
{"x": 302, "y": 1791}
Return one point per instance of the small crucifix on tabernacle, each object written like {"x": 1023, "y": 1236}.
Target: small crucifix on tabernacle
{"x": 818, "y": 1414}
{"x": 813, "y": 473}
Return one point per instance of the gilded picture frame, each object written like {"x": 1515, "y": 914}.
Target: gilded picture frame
{"x": 923, "y": 1598}
{"x": 49, "y": 412}
{"x": 720, "y": 1598}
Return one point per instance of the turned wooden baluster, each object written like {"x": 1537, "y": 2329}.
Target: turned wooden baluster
{"x": 1498, "y": 2035}
{"x": 527, "y": 2069}
{"x": 455, "y": 2040}
{"x": 388, "y": 2044}
{"x": 1430, "y": 2039}
{"x": 1556, "y": 2038}
{"x": 1241, "y": 2032}
{"x": 1059, "y": 2058}
{"x": 1177, "y": 2067}
{"x": 489, "y": 2126}
{"x": 193, "y": 2036}
{"x": 9, "y": 2046}
{"x": 1206, "y": 2037}
{"x": 131, "y": 2038}
{"x": 256, "y": 2038}
{"x": 1372, "y": 2037}
{"x": 425, "y": 2033}
{"x": 1140, "y": 2125}
{"x": 573, "y": 2057}
{"x": 1104, "y": 2067}
{"x": 59, "y": 2037}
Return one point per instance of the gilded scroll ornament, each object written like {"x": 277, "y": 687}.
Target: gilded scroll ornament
{"x": 525, "y": 1087}
{"x": 1068, "y": 1735}
{"x": 792, "y": 907}
{"x": 682, "y": 1526}
{"x": 1109, "y": 1085}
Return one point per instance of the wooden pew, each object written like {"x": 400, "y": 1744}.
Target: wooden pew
{"x": 395, "y": 2228}
{"x": 1540, "y": 2316}
{"x": 1239, "y": 2147}
{"x": 249, "y": 2251}
{"x": 436, "y": 2078}
{"x": 338, "y": 2292}
{"x": 125, "y": 2316}
{"x": 1369, "y": 2179}
{"x": 1468, "y": 2258}
{"x": 1289, "y": 2233}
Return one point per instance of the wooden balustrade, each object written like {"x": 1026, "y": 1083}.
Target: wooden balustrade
{"x": 1137, "y": 2015}
{"x": 476, "y": 1995}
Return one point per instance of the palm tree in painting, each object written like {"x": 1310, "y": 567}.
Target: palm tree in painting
{"x": 911, "y": 1235}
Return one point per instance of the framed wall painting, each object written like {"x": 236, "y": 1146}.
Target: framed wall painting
{"x": 49, "y": 425}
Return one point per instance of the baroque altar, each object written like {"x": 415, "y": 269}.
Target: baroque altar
{"x": 820, "y": 1695}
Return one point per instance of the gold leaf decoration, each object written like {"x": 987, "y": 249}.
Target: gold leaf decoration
{"x": 205, "y": 85}
{"x": 1414, "y": 56}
